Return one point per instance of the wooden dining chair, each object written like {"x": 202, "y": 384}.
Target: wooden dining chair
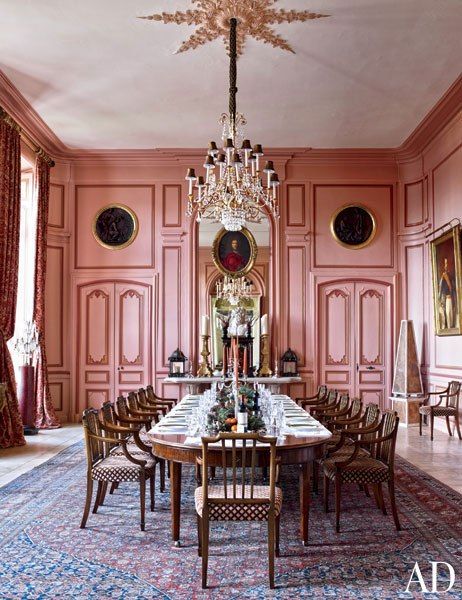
{"x": 450, "y": 396}
{"x": 105, "y": 467}
{"x": 318, "y": 398}
{"x": 153, "y": 397}
{"x": 149, "y": 399}
{"x": 374, "y": 468}
{"x": 238, "y": 498}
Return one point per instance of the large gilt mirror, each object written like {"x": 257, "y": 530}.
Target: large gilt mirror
{"x": 221, "y": 254}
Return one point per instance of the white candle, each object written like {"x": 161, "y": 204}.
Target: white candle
{"x": 205, "y": 325}
{"x": 264, "y": 324}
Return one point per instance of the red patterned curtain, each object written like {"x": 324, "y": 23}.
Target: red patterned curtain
{"x": 11, "y": 428}
{"x": 45, "y": 416}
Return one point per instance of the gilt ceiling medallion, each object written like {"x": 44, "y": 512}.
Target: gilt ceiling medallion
{"x": 255, "y": 19}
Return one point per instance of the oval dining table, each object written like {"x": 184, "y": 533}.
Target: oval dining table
{"x": 291, "y": 450}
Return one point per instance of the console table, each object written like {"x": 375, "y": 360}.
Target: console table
{"x": 194, "y": 383}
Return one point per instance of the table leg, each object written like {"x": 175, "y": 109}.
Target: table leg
{"x": 175, "y": 500}
{"x": 305, "y": 499}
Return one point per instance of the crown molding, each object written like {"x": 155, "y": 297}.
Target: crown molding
{"x": 441, "y": 115}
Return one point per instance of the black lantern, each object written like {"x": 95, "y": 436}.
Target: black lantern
{"x": 177, "y": 362}
{"x": 289, "y": 362}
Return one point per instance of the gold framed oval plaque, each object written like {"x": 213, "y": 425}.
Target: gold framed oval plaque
{"x": 115, "y": 226}
{"x": 234, "y": 252}
{"x": 353, "y": 226}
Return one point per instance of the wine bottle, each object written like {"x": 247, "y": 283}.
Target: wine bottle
{"x": 242, "y": 417}
{"x": 256, "y": 407}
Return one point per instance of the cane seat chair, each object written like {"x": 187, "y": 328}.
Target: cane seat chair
{"x": 318, "y": 398}
{"x": 105, "y": 467}
{"x": 237, "y": 498}
{"x": 374, "y": 468}
{"x": 450, "y": 396}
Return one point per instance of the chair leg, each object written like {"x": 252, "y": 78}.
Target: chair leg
{"x": 98, "y": 497}
{"x": 326, "y": 494}
{"x": 103, "y": 493}
{"x": 213, "y": 472}
{"x": 142, "y": 500}
{"x": 152, "y": 489}
{"x": 205, "y": 550}
{"x": 420, "y": 424}
{"x": 381, "y": 499}
{"x": 199, "y": 535}
{"x": 315, "y": 476}
{"x": 432, "y": 421}
{"x": 87, "y": 502}
{"x": 114, "y": 486}
{"x": 448, "y": 425}
{"x": 366, "y": 490}
{"x": 391, "y": 491}
{"x": 456, "y": 419}
{"x": 338, "y": 493}
{"x": 162, "y": 475}
{"x": 271, "y": 543}
{"x": 278, "y": 533}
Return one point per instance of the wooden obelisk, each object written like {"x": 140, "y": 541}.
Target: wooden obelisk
{"x": 408, "y": 379}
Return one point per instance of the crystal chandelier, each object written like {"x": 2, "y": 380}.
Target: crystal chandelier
{"x": 233, "y": 190}
{"x": 232, "y": 289}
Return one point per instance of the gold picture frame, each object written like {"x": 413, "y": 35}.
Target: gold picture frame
{"x": 447, "y": 283}
{"x": 113, "y": 233}
{"x": 234, "y": 252}
{"x": 342, "y": 237}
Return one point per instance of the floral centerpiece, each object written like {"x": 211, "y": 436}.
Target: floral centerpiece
{"x": 222, "y": 416}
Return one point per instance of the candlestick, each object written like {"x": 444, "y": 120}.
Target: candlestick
{"x": 225, "y": 360}
{"x": 236, "y": 361}
{"x": 205, "y": 325}
{"x": 264, "y": 325}
{"x": 245, "y": 363}
{"x": 264, "y": 370}
{"x": 204, "y": 368}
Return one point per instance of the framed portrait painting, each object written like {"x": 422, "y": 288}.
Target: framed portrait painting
{"x": 234, "y": 252}
{"x": 447, "y": 284}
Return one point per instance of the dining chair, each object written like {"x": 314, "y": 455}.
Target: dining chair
{"x": 319, "y": 397}
{"x": 153, "y": 397}
{"x": 105, "y": 467}
{"x": 340, "y": 407}
{"x": 450, "y": 408}
{"x": 237, "y": 498}
{"x": 374, "y": 468}
{"x": 128, "y": 409}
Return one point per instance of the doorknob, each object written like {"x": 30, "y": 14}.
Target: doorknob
{"x": 357, "y": 366}
{"x": 370, "y": 368}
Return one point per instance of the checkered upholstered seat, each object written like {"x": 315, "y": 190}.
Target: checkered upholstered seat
{"x": 438, "y": 411}
{"x": 237, "y": 511}
{"x": 362, "y": 470}
{"x": 118, "y": 468}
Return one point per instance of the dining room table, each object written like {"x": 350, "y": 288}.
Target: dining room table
{"x": 300, "y": 441}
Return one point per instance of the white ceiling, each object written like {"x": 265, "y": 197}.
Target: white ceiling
{"x": 100, "y": 78}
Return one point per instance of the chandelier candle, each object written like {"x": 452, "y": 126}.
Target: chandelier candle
{"x": 235, "y": 194}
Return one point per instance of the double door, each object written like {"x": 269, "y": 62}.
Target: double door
{"x": 114, "y": 349}
{"x": 356, "y": 338}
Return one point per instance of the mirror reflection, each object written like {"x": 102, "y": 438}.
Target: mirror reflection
{"x": 234, "y": 273}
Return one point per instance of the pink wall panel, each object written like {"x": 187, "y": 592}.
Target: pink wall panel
{"x": 296, "y": 205}
{"x": 297, "y": 327}
{"x": 171, "y": 334}
{"x": 54, "y": 306}
{"x": 56, "y": 210}
{"x": 171, "y": 205}
{"x": 414, "y": 209}
{"x": 415, "y": 266}
{"x": 91, "y": 198}
{"x": 377, "y": 198}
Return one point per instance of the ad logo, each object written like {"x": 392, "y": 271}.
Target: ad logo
{"x": 417, "y": 578}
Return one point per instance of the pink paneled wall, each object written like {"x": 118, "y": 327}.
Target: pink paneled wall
{"x": 430, "y": 195}
{"x": 113, "y": 317}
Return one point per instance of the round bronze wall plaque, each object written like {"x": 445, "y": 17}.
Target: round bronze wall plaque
{"x": 115, "y": 226}
{"x": 353, "y": 226}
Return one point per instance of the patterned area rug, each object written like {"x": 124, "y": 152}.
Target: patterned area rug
{"x": 44, "y": 554}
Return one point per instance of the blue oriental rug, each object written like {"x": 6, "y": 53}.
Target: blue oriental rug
{"x": 44, "y": 554}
